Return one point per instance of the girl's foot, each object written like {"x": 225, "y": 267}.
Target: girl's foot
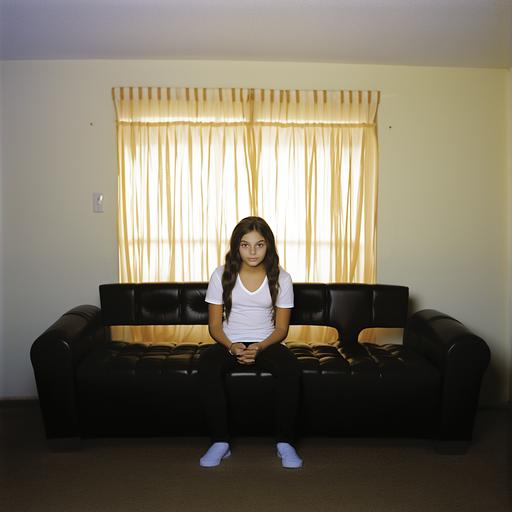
{"x": 289, "y": 457}
{"x": 214, "y": 455}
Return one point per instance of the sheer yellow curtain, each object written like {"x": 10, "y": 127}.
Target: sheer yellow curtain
{"x": 317, "y": 180}
{"x": 193, "y": 162}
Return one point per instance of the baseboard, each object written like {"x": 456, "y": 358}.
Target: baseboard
{"x": 496, "y": 407}
{"x": 18, "y": 401}
{"x": 452, "y": 447}
{"x": 64, "y": 444}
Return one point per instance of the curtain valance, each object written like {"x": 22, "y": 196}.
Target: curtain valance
{"x": 165, "y": 105}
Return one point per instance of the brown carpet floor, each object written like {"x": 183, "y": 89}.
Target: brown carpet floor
{"x": 154, "y": 475}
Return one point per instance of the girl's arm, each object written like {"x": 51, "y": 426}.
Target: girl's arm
{"x": 281, "y": 330}
{"x": 216, "y": 330}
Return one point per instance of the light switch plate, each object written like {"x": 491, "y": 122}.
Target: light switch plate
{"x": 97, "y": 202}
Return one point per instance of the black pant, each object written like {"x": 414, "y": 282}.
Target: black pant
{"x": 216, "y": 361}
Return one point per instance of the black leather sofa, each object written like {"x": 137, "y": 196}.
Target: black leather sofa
{"x": 426, "y": 387}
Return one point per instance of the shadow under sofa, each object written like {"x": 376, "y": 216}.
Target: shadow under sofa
{"x": 426, "y": 387}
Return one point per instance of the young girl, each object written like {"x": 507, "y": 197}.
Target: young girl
{"x": 249, "y": 306}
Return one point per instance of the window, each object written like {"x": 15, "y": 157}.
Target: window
{"x": 193, "y": 162}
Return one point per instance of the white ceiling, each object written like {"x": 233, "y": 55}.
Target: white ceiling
{"x": 473, "y": 33}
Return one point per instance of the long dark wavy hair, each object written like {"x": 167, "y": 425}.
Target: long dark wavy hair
{"x": 234, "y": 261}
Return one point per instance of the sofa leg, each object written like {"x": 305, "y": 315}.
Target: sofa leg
{"x": 452, "y": 447}
{"x": 64, "y": 444}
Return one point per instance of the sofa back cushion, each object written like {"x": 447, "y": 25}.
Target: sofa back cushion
{"x": 349, "y": 308}
{"x": 154, "y": 303}
{"x": 354, "y": 307}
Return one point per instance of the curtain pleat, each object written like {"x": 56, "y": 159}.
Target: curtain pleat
{"x": 194, "y": 161}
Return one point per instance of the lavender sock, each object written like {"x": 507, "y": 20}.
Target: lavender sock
{"x": 214, "y": 455}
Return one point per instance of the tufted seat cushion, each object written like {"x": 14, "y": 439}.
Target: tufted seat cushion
{"x": 343, "y": 391}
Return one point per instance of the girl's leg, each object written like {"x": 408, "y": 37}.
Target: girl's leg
{"x": 214, "y": 362}
{"x": 283, "y": 365}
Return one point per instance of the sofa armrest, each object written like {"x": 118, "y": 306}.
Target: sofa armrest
{"x": 54, "y": 356}
{"x": 461, "y": 357}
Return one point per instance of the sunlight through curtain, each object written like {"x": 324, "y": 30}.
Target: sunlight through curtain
{"x": 193, "y": 162}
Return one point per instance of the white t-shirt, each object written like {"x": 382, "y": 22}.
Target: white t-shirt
{"x": 250, "y": 319}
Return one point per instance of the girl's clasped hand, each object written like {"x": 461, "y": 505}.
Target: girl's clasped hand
{"x": 245, "y": 354}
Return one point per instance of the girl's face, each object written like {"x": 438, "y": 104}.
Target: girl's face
{"x": 253, "y": 248}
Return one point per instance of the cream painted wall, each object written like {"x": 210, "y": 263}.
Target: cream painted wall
{"x": 442, "y": 201}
